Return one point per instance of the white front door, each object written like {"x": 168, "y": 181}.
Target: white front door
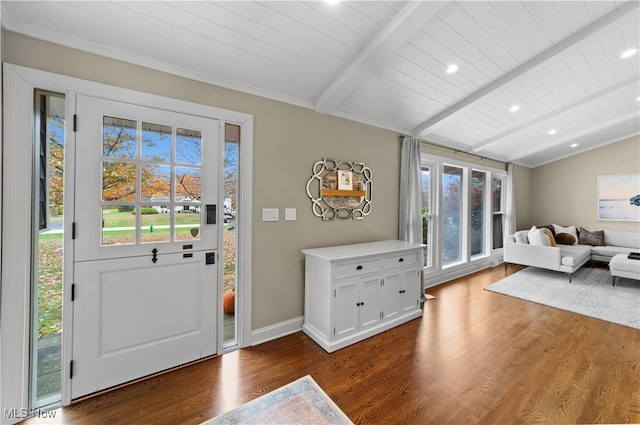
{"x": 146, "y": 242}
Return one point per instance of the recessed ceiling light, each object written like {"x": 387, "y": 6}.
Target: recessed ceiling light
{"x": 628, "y": 53}
{"x": 552, "y": 132}
{"x": 452, "y": 68}
{"x": 574, "y": 145}
{"x": 514, "y": 108}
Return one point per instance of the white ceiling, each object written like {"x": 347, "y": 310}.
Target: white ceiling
{"x": 384, "y": 63}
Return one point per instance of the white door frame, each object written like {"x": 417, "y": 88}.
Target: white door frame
{"x": 17, "y": 174}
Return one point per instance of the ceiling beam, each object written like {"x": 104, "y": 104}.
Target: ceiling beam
{"x": 553, "y": 114}
{"x": 407, "y": 22}
{"x": 521, "y": 72}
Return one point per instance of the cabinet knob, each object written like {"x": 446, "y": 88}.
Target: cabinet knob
{"x": 359, "y": 268}
{"x": 401, "y": 260}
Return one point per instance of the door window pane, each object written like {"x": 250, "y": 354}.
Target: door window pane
{"x": 451, "y": 215}
{"x": 155, "y": 225}
{"x": 188, "y": 184}
{"x": 118, "y": 224}
{"x": 188, "y": 146}
{"x": 118, "y": 181}
{"x": 119, "y": 138}
{"x": 156, "y": 142}
{"x": 478, "y": 184}
{"x": 187, "y": 226}
{"x": 156, "y": 183}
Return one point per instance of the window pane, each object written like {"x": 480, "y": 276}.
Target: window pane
{"x": 119, "y": 138}
{"x": 451, "y": 215}
{"x": 496, "y": 206}
{"x": 426, "y": 211}
{"x": 188, "y": 184}
{"x": 156, "y": 142}
{"x": 118, "y": 225}
{"x": 496, "y": 195}
{"x": 188, "y": 224}
{"x": 188, "y": 146}
{"x": 155, "y": 225}
{"x": 118, "y": 181}
{"x": 156, "y": 183}
{"x": 478, "y": 184}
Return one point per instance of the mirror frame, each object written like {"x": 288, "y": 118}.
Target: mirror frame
{"x": 321, "y": 208}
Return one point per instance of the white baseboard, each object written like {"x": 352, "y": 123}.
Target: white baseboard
{"x": 276, "y": 331}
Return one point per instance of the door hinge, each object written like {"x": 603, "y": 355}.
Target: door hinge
{"x": 73, "y": 230}
{"x": 381, "y": 282}
{"x": 71, "y": 369}
{"x": 75, "y": 122}
{"x": 334, "y": 295}
{"x": 334, "y": 331}
{"x": 382, "y": 314}
{"x": 73, "y": 292}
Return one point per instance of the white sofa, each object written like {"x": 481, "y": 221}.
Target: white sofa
{"x": 568, "y": 258}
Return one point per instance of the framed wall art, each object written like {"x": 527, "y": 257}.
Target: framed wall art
{"x": 619, "y": 197}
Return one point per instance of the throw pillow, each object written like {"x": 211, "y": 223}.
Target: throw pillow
{"x": 595, "y": 238}
{"x": 565, "y": 239}
{"x": 569, "y": 229}
{"x": 549, "y": 233}
{"x": 521, "y": 236}
{"x": 539, "y": 237}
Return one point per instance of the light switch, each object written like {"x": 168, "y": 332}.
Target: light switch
{"x": 270, "y": 214}
{"x": 290, "y": 214}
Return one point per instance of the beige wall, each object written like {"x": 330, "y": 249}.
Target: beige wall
{"x": 287, "y": 141}
{"x": 565, "y": 192}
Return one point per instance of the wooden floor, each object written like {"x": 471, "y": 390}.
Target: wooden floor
{"x": 475, "y": 357}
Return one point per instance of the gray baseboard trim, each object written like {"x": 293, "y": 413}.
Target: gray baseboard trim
{"x": 276, "y": 331}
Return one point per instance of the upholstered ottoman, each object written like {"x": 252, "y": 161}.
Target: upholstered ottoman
{"x": 622, "y": 266}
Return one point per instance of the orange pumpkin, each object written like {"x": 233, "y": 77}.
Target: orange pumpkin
{"x": 229, "y": 301}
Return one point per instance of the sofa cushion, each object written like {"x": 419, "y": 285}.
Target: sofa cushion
{"x": 595, "y": 238}
{"x": 571, "y": 230}
{"x": 621, "y": 263}
{"x": 574, "y": 254}
{"x": 610, "y": 251}
{"x": 566, "y": 239}
{"x": 626, "y": 239}
{"x": 521, "y": 236}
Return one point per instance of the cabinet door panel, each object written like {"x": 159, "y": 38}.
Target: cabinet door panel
{"x": 390, "y": 296}
{"x": 411, "y": 285}
{"x": 345, "y": 318}
{"x": 369, "y": 301}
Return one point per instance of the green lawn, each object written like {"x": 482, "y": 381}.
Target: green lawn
{"x": 114, "y": 218}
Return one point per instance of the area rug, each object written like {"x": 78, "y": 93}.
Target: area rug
{"x": 590, "y": 293}
{"x": 300, "y": 402}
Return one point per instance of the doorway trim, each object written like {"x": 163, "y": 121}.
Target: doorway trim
{"x": 17, "y": 170}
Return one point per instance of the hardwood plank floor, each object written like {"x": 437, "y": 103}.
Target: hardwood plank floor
{"x": 475, "y": 357}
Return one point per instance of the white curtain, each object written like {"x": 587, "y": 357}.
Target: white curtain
{"x": 410, "y": 213}
{"x": 510, "y": 204}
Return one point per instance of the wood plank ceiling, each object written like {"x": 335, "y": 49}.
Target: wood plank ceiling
{"x": 525, "y": 69}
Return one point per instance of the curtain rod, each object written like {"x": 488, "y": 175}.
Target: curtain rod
{"x": 454, "y": 150}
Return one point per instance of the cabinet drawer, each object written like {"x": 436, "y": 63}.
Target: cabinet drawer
{"x": 398, "y": 260}
{"x": 356, "y": 268}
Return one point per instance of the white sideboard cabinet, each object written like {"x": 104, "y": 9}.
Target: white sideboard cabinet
{"x": 355, "y": 291}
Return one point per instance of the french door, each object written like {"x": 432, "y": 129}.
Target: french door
{"x": 146, "y": 242}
